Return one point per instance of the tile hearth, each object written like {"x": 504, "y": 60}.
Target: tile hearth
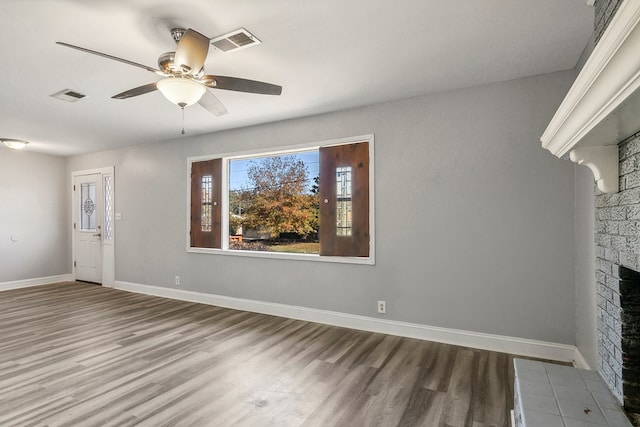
{"x": 553, "y": 395}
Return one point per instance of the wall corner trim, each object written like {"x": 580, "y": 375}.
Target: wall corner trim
{"x": 17, "y": 284}
{"x": 499, "y": 343}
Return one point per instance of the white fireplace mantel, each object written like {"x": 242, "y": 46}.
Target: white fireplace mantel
{"x": 602, "y": 107}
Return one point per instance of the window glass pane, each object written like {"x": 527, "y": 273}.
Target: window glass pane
{"x": 273, "y": 203}
{"x": 343, "y": 201}
{"x": 87, "y": 206}
{"x": 205, "y": 214}
{"x": 108, "y": 207}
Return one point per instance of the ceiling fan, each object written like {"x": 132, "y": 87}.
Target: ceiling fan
{"x": 184, "y": 80}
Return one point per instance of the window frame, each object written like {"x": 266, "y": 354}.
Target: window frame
{"x": 282, "y": 150}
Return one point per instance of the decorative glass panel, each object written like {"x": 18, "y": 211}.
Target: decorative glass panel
{"x": 206, "y": 209}
{"x": 108, "y": 207}
{"x": 343, "y": 201}
{"x": 88, "y": 206}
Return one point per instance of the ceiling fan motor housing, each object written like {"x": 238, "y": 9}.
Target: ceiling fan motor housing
{"x": 166, "y": 62}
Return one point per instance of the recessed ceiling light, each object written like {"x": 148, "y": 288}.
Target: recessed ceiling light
{"x": 16, "y": 144}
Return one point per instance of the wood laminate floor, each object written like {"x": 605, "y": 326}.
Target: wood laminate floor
{"x": 74, "y": 354}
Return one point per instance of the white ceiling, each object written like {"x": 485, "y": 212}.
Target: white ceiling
{"x": 328, "y": 55}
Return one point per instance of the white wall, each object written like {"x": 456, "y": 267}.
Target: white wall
{"x": 474, "y": 221}
{"x": 33, "y": 194}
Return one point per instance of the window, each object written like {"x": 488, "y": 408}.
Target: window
{"x": 307, "y": 202}
{"x": 88, "y": 206}
{"x": 108, "y": 207}
{"x": 273, "y": 203}
{"x": 344, "y": 199}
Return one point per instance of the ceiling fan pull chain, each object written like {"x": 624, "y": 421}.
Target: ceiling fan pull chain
{"x": 182, "y": 107}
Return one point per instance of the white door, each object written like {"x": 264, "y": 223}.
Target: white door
{"x": 88, "y": 227}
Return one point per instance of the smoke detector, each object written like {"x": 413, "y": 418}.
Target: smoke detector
{"x": 235, "y": 40}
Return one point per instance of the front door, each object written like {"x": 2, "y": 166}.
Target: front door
{"x": 88, "y": 227}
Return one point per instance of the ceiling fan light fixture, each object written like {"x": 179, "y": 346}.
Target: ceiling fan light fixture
{"x": 15, "y": 144}
{"x": 181, "y": 91}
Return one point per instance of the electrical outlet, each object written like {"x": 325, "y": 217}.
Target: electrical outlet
{"x": 382, "y": 307}
{"x": 177, "y": 280}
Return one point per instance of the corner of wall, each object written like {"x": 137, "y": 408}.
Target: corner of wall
{"x": 584, "y": 268}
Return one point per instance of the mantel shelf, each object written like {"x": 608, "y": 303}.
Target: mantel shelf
{"x": 602, "y": 107}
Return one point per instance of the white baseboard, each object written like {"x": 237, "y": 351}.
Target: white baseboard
{"x": 580, "y": 362}
{"x": 17, "y": 284}
{"x": 500, "y": 343}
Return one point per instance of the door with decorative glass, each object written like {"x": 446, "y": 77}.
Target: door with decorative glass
{"x": 88, "y": 233}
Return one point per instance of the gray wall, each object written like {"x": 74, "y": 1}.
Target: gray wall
{"x": 474, "y": 221}
{"x": 33, "y": 194}
{"x": 585, "y": 266}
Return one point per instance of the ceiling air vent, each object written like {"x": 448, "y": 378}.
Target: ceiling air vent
{"x": 68, "y": 95}
{"x": 235, "y": 40}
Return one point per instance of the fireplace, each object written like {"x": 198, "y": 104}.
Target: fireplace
{"x": 617, "y": 239}
{"x": 629, "y": 284}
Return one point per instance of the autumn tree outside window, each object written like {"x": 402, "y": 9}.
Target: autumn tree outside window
{"x": 322, "y": 205}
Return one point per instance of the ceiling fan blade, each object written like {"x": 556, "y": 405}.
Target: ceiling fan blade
{"x": 241, "y": 85}
{"x": 212, "y": 104}
{"x": 115, "y": 58}
{"x": 191, "y": 52}
{"x": 140, "y": 90}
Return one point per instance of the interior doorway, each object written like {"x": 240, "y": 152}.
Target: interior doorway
{"x": 93, "y": 226}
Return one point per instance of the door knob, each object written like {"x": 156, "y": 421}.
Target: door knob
{"x": 97, "y": 235}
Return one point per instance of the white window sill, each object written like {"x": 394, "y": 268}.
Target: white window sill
{"x": 285, "y": 255}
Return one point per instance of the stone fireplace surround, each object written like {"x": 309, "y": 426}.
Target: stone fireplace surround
{"x": 617, "y": 238}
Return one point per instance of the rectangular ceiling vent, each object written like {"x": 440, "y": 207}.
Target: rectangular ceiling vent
{"x": 235, "y": 40}
{"x": 68, "y": 95}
